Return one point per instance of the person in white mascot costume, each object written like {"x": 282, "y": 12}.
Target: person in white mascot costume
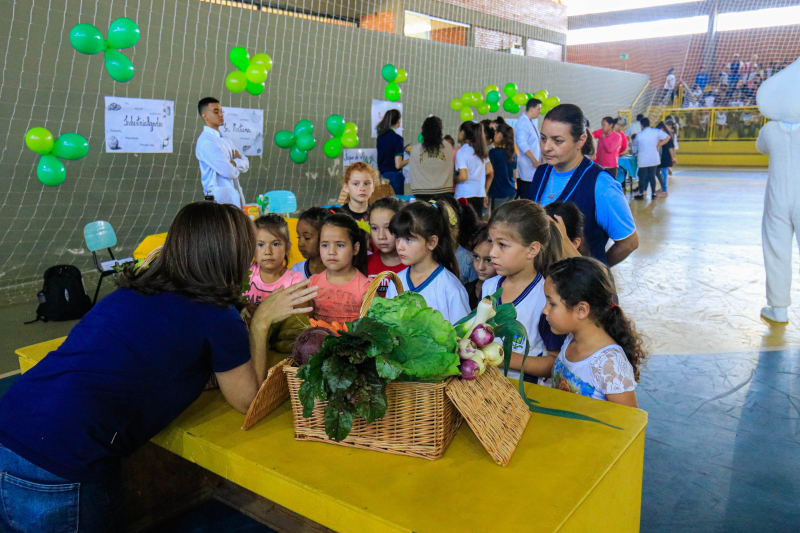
{"x": 779, "y": 100}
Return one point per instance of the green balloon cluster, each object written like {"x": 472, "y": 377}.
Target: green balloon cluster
{"x": 50, "y": 170}
{"x": 393, "y": 76}
{"x": 122, "y": 33}
{"x": 252, "y": 73}
{"x": 299, "y": 143}
{"x": 345, "y": 135}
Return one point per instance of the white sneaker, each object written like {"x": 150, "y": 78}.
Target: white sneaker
{"x": 775, "y": 314}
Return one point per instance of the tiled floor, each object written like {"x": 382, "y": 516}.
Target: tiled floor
{"x": 722, "y": 392}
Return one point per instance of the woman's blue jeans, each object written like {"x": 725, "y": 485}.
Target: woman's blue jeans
{"x": 32, "y": 500}
{"x": 397, "y": 180}
{"x": 663, "y": 178}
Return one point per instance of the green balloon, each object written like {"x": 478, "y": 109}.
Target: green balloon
{"x": 402, "y": 76}
{"x": 123, "y": 33}
{"x": 528, "y": 96}
{"x": 236, "y": 81}
{"x": 510, "y": 106}
{"x": 552, "y": 101}
{"x": 350, "y": 140}
{"x": 510, "y": 89}
{"x": 256, "y": 74}
{"x": 304, "y": 126}
{"x": 389, "y": 73}
{"x": 297, "y": 155}
{"x": 456, "y": 104}
{"x": 335, "y": 125}
{"x": 483, "y": 108}
{"x": 51, "y": 171}
{"x": 494, "y": 108}
{"x": 333, "y": 147}
{"x": 118, "y": 66}
{"x": 285, "y": 139}
{"x": 393, "y": 92}
{"x": 467, "y": 114}
{"x": 255, "y": 88}
{"x": 240, "y": 58}
{"x": 420, "y": 138}
{"x": 71, "y": 146}
{"x": 520, "y": 99}
{"x": 477, "y": 97}
{"x": 39, "y": 140}
{"x": 87, "y": 39}
{"x": 466, "y": 99}
{"x": 490, "y": 88}
{"x": 306, "y": 142}
{"x": 493, "y": 97}
{"x": 262, "y": 59}
{"x": 350, "y": 126}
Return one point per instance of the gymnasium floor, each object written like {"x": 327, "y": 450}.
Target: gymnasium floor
{"x": 720, "y": 388}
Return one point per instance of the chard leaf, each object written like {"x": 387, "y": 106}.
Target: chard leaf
{"x": 338, "y": 373}
{"x": 338, "y": 421}
{"x": 388, "y": 368}
{"x": 313, "y": 386}
{"x": 371, "y": 399}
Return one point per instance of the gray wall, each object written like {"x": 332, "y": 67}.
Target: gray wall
{"x": 319, "y": 69}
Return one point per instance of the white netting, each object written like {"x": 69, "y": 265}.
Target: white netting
{"x": 325, "y": 61}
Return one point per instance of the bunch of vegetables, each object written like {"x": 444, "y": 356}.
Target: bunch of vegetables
{"x": 477, "y": 332}
{"x": 401, "y": 338}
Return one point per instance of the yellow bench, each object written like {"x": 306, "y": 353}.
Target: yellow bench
{"x": 566, "y": 475}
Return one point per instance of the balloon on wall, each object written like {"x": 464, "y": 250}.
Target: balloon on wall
{"x": 456, "y": 104}
{"x": 402, "y": 76}
{"x": 393, "y": 92}
{"x": 493, "y": 96}
{"x": 122, "y": 33}
{"x": 50, "y": 170}
{"x": 252, "y": 73}
{"x": 299, "y": 143}
{"x": 345, "y": 135}
{"x": 389, "y": 73}
{"x": 510, "y": 106}
{"x": 510, "y": 89}
{"x": 467, "y": 114}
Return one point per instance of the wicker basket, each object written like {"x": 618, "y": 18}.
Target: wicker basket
{"x": 420, "y": 420}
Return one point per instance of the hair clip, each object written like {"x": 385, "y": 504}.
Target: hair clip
{"x": 612, "y": 306}
{"x": 432, "y": 202}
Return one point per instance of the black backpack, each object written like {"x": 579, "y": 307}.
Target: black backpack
{"x": 63, "y": 296}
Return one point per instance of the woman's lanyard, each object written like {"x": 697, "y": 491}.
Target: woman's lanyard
{"x": 524, "y": 294}
{"x": 547, "y": 179}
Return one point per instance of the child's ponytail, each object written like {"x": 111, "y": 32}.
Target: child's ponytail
{"x": 583, "y": 279}
{"x": 552, "y": 253}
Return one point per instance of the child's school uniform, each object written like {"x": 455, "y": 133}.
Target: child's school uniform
{"x": 302, "y": 269}
{"x": 259, "y": 290}
{"x": 442, "y": 291}
{"x": 375, "y": 266}
{"x": 338, "y": 303}
{"x": 529, "y": 306}
{"x": 607, "y": 371}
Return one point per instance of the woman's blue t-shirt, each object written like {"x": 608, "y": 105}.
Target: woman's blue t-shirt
{"x": 389, "y": 145}
{"x": 124, "y": 373}
{"x": 503, "y": 185}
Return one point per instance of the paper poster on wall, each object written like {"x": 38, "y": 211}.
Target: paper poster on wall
{"x": 245, "y": 129}
{"x": 365, "y": 155}
{"x": 379, "y": 108}
{"x": 139, "y": 125}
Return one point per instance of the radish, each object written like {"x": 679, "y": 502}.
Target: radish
{"x": 482, "y": 335}
{"x": 467, "y": 349}
{"x": 493, "y": 353}
{"x": 470, "y": 369}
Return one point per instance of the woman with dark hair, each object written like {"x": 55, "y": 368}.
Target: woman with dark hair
{"x": 504, "y": 163}
{"x": 431, "y": 163}
{"x": 569, "y": 175}
{"x": 135, "y": 362}
{"x": 475, "y": 172}
{"x": 390, "y": 151}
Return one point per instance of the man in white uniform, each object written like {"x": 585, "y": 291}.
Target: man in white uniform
{"x": 780, "y": 139}
{"x": 220, "y": 161}
{"x": 527, "y": 139}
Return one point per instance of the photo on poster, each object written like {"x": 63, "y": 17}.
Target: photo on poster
{"x": 245, "y": 129}
{"x": 138, "y": 125}
{"x": 379, "y": 108}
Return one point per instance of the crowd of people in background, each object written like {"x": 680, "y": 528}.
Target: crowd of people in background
{"x": 735, "y": 85}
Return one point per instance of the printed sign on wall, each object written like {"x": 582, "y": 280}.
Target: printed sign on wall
{"x": 365, "y": 155}
{"x": 138, "y": 125}
{"x": 245, "y": 128}
{"x": 379, "y": 108}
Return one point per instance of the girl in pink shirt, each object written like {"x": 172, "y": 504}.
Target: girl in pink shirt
{"x": 341, "y": 287}
{"x": 269, "y": 271}
{"x": 608, "y": 147}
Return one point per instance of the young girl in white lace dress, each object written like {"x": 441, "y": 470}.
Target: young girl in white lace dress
{"x": 602, "y": 354}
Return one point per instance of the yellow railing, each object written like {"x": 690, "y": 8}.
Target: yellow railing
{"x": 716, "y": 123}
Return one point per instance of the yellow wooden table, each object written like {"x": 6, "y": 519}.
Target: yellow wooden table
{"x": 566, "y": 475}
{"x": 153, "y": 241}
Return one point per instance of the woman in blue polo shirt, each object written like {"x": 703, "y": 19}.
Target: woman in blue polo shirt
{"x": 137, "y": 360}
{"x": 570, "y": 176}
{"x": 390, "y": 151}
